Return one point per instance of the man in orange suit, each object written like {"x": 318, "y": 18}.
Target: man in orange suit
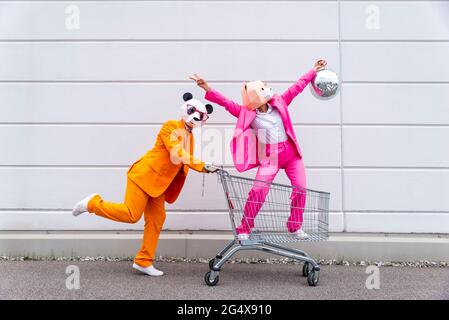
{"x": 156, "y": 178}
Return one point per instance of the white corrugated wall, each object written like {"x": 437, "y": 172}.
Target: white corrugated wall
{"x": 80, "y": 102}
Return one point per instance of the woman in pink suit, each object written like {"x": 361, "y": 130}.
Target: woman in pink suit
{"x": 264, "y": 138}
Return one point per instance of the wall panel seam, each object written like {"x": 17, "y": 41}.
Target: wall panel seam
{"x": 342, "y": 177}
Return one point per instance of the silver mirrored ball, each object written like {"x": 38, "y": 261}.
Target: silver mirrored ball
{"x": 325, "y": 85}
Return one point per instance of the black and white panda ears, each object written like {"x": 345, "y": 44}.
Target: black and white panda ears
{"x": 187, "y": 96}
{"x": 209, "y": 108}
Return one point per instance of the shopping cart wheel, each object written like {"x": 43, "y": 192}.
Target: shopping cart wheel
{"x": 211, "y": 263}
{"x": 208, "y": 281}
{"x": 313, "y": 278}
{"x": 306, "y": 269}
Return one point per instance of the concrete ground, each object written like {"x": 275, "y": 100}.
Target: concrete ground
{"x": 116, "y": 280}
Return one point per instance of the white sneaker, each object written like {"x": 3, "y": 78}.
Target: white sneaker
{"x": 243, "y": 236}
{"x": 151, "y": 270}
{"x": 301, "y": 234}
{"x": 81, "y": 206}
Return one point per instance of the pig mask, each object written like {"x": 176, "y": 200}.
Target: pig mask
{"x": 255, "y": 94}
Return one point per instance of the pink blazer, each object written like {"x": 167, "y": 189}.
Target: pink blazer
{"x": 244, "y": 144}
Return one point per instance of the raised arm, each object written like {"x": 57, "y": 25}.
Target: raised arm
{"x": 215, "y": 96}
{"x": 302, "y": 82}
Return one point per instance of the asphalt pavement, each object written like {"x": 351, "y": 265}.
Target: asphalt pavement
{"x": 182, "y": 280}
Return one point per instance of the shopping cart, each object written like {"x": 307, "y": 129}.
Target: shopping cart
{"x": 270, "y": 225}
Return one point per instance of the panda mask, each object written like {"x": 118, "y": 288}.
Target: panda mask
{"x": 194, "y": 111}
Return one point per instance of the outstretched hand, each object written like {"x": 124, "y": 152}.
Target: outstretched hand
{"x": 200, "y": 82}
{"x": 210, "y": 168}
{"x": 319, "y": 65}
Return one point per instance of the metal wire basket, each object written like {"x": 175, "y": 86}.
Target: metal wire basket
{"x": 275, "y": 219}
{"x": 270, "y": 224}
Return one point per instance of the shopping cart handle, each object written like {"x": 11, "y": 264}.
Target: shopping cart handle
{"x": 211, "y": 168}
{"x": 221, "y": 171}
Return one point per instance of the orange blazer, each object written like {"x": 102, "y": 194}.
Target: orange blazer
{"x": 164, "y": 168}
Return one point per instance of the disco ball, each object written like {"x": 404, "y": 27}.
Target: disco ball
{"x": 325, "y": 85}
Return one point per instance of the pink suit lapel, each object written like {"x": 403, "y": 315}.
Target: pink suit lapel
{"x": 250, "y": 115}
{"x": 244, "y": 121}
{"x": 276, "y": 104}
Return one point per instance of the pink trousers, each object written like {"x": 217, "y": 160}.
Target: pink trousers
{"x": 279, "y": 156}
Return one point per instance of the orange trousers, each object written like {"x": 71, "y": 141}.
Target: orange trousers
{"x": 137, "y": 202}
